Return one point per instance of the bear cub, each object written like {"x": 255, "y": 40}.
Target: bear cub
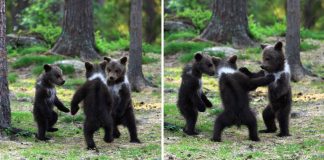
{"x": 191, "y": 98}
{"x": 234, "y": 89}
{"x": 119, "y": 87}
{"x": 97, "y": 103}
{"x": 46, "y": 99}
{"x": 279, "y": 91}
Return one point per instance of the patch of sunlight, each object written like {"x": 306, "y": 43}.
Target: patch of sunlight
{"x": 146, "y": 106}
{"x": 309, "y": 97}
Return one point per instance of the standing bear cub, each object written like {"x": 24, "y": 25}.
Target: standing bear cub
{"x": 279, "y": 91}
{"x": 119, "y": 87}
{"x": 191, "y": 98}
{"x": 46, "y": 99}
{"x": 234, "y": 88}
{"x": 97, "y": 103}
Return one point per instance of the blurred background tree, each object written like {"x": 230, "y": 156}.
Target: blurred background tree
{"x": 43, "y": 18}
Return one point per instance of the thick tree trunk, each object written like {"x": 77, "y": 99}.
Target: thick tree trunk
{"x": 5, "y": 116}
{"x": 293, "y": 40}
{"x": 150, "y": 29}
{"x": 77, "y": 38}
{"x": 135, "y": 73}
{"x": 229, "y": 23}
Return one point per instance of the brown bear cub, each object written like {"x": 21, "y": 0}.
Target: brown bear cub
{"x": 279, "y": 91}
{"x": 97, "y": 103}
{"x": 191, "y": 98}
{"x": 46, "y": 99}
{"x": 119, "y": 87}
{"x": 234, "y": 89}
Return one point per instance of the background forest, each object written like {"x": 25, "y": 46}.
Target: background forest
{"x": 187, "y": 30}
{"x": 34, "y": 28}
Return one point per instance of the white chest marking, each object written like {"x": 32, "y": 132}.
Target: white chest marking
{"x": 117, "y": 87}
{"x": 98, "y": 75}
{"x": 280, "y": 73}
{"x": 52, "y": 93}
{"x": 225, "y": 70}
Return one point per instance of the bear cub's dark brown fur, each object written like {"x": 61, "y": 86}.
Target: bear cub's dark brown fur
{"x": 46, "y": 99}
{"x": 97, "y": 103}
{"x": 234, "y": 88}
{"x": 119, "y": 87}
{"x": 279, "y": 91}
{"x": 191, "y": 98}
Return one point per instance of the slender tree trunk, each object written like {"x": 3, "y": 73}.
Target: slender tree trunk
{"x": 77, "y": 37}
{"x": 15, "y": 10}
{"x": 309, "y": 13}
{"x": 229, "y": 23}
{"x": 135, "y": 73}
{"x": 5, "y": 116}
{"x": 150, "y": 29}
{"x": 293, "y": 40}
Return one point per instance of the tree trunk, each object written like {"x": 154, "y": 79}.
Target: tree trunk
{"x": 309, "y": 13}
{"x": 77, "y": 37}
{"x": 5, "y": 117}
{"x": 150, "y": 29}
{"x": 229, "y": 23}
{"x": 135, "y": 73}
{"x": 15, "y": 10}
{"x": 293, "y": 40}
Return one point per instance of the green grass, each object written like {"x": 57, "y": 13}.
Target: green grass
{"x": 28, "y": 60}
{"x": 181, "y": 35}
{"x": 35, "y": 49}
{"x": 151, "y": 48}
{"x": 67, "y": 69}
{"x": 185, "y": 47}
{"x": 318, "y": 35}
{"x": 12, "y": 77}
{"x": 306, "y": 46}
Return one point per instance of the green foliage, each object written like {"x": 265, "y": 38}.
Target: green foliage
{"x": 182, "y": 35}
{"x": 306, "y": 46}
{"x": 72, "y": 83}
{"x": 42, "y": 13}
{"x": 151, "y": 48}
{"x": 35, "y": 49}
{"x": 306, "y": 33}
{"x": 49, "y": 33}
{"x": 185, "y": 47}
{"x": 28, "y": 60}
{"x": 259, "y": 32}
{"x": 12, "y": 77}
{"x": 147, "y": 60}
{"x": 199, "y": 17}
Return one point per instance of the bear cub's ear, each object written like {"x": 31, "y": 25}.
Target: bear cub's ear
{"x": 88, "y": 66}
{"x": 108, "y": 59}
{"x": 198, "y": 57}
{"x": 232, "y": 59}
{"x": 103, "y": 65}
{"x": 278, "y": 46}
{"x": 123, "y": 60}
{"x": 47, "y": 67}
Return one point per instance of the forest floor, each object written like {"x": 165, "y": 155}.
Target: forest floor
{"x": 68, "y": 142}
{"x": 306, "y": 125}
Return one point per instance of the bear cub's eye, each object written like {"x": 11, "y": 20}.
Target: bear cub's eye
{"x": 117, "y": 71}
{"x": 209, "y": 65}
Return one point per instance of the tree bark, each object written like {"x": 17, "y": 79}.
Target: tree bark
{"x": 150, "y": 29}
{"x": 5, "y": 116}
{"x": 293, "y": 40}
{"x": 77, "y": 37}
{"x": 309, "y": 12}
{"x": 229, "y": 23}
{"x": 135, "y": 73}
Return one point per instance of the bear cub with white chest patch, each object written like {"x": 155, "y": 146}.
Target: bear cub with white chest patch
{"x": 234, "y": 88}
{"x": 97, "y": 103}
{"x": 46, "y": 99}
{"x": 191, "y": 98}
{"x": 119, "y": 87}
{"x": 279, "y": 91}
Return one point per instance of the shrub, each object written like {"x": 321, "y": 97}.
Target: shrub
{"x": 199, "y": 17}
{"x": 151, "y": 48}
{"x": 147, "y": 60}
{"x": 305, "y": 33}
{"x": 259, "y": 32}
{"x": 49, "y": 33}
